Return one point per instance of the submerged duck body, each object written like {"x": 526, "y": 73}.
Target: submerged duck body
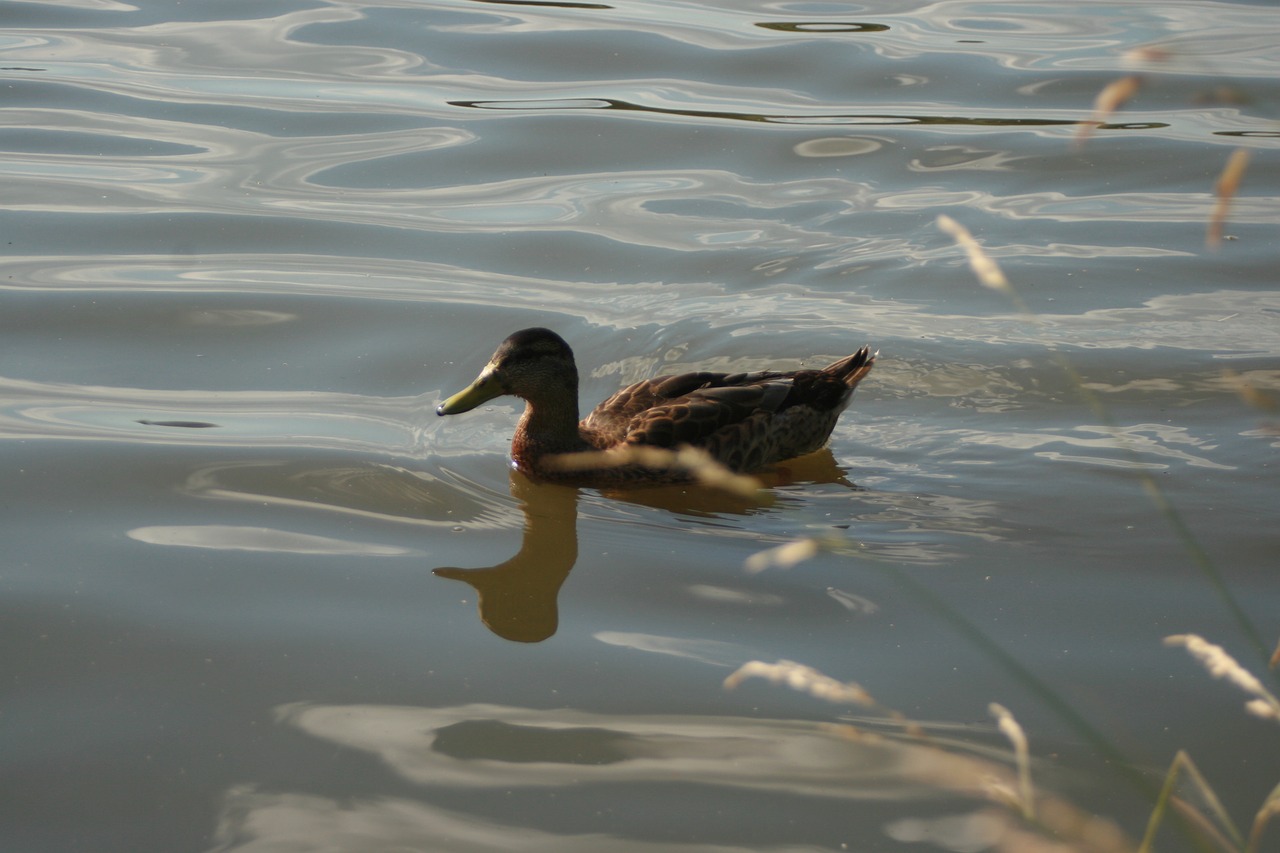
{"x": 745, "y": 421}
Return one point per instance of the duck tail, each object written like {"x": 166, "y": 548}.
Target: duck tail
{"x": 854, "y": 368}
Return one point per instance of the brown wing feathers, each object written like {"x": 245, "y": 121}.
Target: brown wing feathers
{"x": 690, "y": 408}
{"x": 696, "y": 416}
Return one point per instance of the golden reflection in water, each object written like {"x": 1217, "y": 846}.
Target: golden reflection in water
{"x": 518, "y": 598}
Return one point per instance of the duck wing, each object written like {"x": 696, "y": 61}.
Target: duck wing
{"x": 744, "y": 420}
{"x": 696, "y": 417}
{"x": 687, "y": 408}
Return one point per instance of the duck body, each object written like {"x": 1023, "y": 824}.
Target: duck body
{"x": 744, "y": 421}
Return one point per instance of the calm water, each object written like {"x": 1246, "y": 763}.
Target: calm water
{"x": 257, "y": 597}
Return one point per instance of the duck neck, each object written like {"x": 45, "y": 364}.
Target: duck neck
{"x": 550, "y": 425}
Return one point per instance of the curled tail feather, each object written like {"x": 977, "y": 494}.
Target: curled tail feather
{"x": 854, "y": 368}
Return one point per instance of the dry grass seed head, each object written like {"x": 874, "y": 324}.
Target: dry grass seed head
{"x": 1258, "y": 398}
{"x": 802, "y": 678}
{"x": 1222, "y": 665}
{"x": 1113, "y": 96}
{"x": 1225, "y": 189}
{"x": 693, "y": 462}
{"x": 784, "y": 556}
{"x": 984, "y": 267}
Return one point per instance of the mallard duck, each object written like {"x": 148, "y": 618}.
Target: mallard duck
{"x": 745, "y": 421}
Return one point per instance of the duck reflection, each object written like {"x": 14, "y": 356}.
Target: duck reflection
{"x": 518, "y": 598}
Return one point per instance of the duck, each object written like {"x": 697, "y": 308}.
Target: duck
{"x": 746, "y": 422}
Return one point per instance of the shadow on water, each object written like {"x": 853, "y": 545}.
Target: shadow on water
{"x": 518, "y": 598}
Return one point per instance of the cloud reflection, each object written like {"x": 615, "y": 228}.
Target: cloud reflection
{"x": 1135, "y": 446}
{"x": 495, "y": 754}
{"x": 224, "y": 537}
{"x": 255, "y": 821}
{"x": 711, "y": 652}
{"x": 496, "y": 747}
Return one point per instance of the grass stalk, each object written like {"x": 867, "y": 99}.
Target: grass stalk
{"x": 1010, "y": 728}
{"x": 1183, "y": 765}
{"x": 1270, "y": 808}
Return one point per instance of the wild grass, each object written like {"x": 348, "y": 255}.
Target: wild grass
{"x": 1035, "y": 821}
{"x": 1008, "y": 726}
{"x": 1111, "y": 98}
{"x": 1222, "y": 665}
{"x": 1021, "y": 819}
{"x": 1043, "y": 819}
{"x": 1225, "y": 189}
{"x": 1214, "y": 822}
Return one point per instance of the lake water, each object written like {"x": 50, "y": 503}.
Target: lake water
{"x": 257, "y": 597}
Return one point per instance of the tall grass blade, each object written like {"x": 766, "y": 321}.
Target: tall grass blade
{"x": 1010, "y": 728}
{"x": 1270, "y": 808}
{"x": 1182, "y": 764}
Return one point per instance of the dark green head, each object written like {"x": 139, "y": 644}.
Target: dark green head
{"x": 533, "y": 364}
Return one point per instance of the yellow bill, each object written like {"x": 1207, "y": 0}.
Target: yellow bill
{"x": 485, "y": 388}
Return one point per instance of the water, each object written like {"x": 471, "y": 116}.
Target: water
{"x": 256, "y": 596}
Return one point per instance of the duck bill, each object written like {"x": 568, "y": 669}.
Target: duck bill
{"x": 485, "y": 388}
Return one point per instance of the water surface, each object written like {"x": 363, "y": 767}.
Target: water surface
{"x": 256, "y": 596}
